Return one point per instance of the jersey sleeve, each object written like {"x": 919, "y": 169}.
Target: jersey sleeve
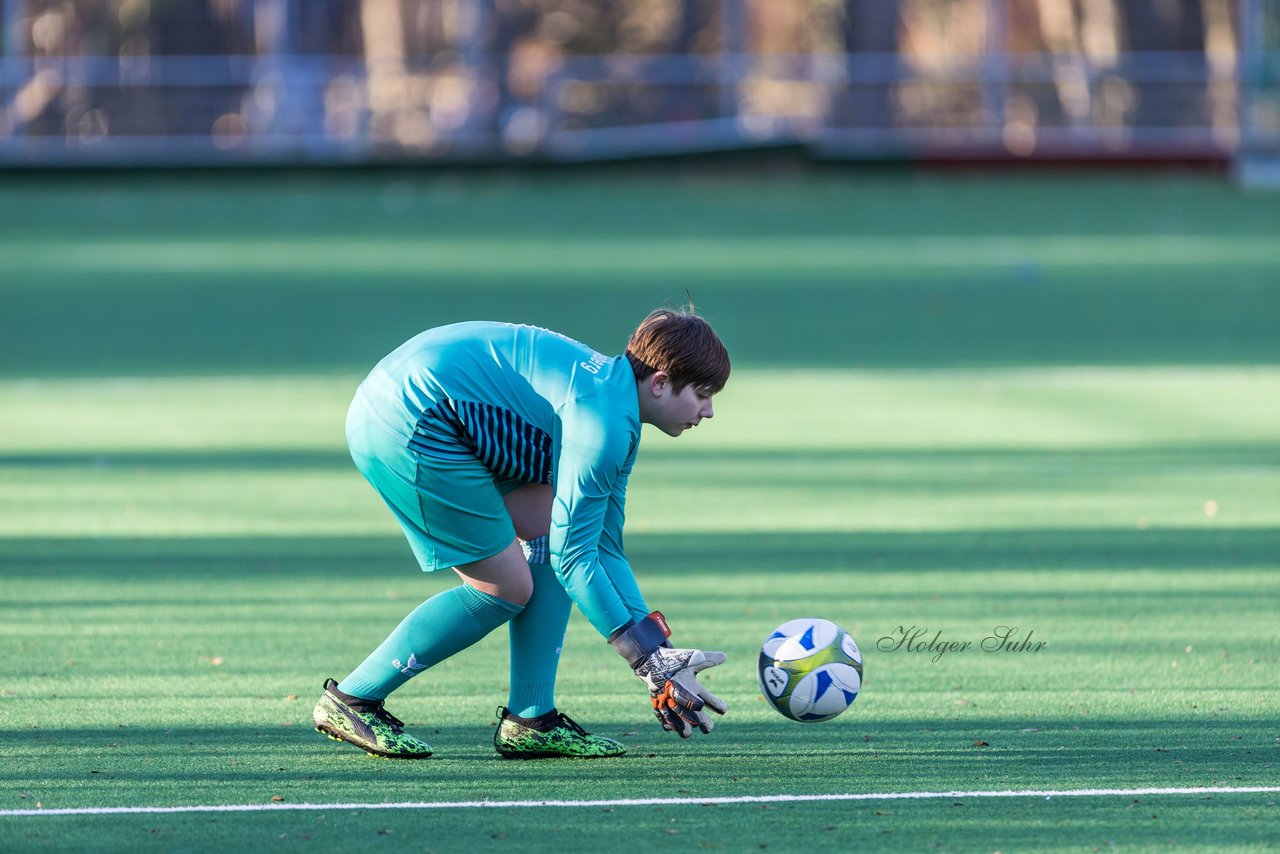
{"x": 594, "y": 459}
{"x": 612, "y": 556}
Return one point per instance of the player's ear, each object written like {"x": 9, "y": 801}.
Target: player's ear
{"x": 658, "y": 381}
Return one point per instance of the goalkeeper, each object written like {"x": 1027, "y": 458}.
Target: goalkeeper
{"x": 504, "y": 452}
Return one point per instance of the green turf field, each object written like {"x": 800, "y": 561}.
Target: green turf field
{"x": 958, "y": 403}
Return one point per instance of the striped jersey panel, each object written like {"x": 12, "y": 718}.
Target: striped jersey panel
{"x": 505, "y": 443}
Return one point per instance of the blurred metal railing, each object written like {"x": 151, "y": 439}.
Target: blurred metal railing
{"x": 852, "y": 107}
{"x": 278, "y": 107}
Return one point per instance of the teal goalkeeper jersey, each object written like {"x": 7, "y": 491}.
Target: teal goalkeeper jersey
{"x": 536, "y": 407}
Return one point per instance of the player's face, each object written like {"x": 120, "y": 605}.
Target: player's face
{"x": 677, "y": 411}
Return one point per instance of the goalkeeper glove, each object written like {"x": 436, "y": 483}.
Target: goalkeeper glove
{"x": 672, "y": 674}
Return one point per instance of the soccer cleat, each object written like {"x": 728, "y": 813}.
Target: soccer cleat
{"x": 550, "y": 735}
{"x": 366, "y": 724}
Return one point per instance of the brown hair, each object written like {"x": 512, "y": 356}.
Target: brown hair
{"x": 682, "y": 344}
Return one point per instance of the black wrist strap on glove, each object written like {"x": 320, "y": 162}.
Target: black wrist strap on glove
{"x": 637, "y": 640}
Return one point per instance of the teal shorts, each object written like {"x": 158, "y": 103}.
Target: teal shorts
{"x": 451, "y": 509}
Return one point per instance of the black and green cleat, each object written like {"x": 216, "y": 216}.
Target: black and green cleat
{"x": 547, "y": 736}
{"x": 366, "y": 724}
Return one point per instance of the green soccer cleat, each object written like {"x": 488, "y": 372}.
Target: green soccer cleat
{"x": 366, "y": 724}
{"x": 549, "y": 735}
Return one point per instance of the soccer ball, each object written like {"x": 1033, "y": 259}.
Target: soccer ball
{"x": 810, "y": 670}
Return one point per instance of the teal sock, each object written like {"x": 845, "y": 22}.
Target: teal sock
{"x": 537, "y": 634}
{"x": 445, "y": 624}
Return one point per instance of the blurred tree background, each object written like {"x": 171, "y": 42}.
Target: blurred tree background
{"x": 572, "y": 77}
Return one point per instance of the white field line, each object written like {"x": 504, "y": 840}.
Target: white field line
{"x": 1047, "y": 794}
{"x": 475, "y": 254}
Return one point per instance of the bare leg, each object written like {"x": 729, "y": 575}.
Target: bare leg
{"x": 530, "y": 509}
{"x": 505, "y": 575}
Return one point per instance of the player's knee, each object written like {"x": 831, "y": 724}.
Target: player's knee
{"x": 514, "y": 590}
{"x": 505, "y": 575}
{"x": 516, "y": 584}
{"x": 517, "y": 591}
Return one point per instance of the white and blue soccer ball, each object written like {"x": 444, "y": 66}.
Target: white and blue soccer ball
{"x": 810, "y": 670}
